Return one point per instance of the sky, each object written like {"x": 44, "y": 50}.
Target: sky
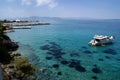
{"x": 98, "y": 9}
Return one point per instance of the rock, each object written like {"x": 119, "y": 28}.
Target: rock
{"x": 84, "y": 47}
{"x": 48, "y": 58}
{"x": 110, "y": 51}
{"x": 107, "y": 57}
{"x": 15, "y": 54}
{"x": 80, "y": 68}
{"x": 59, "y": 73}
{"x": 55, "y": 65}
{"x": 11, "y": 66}
{"x": 42, "y": 70}
{"x": 45, "y": 47}
{"x": 94, "y": 77}
{"x": 64, "y": 62}
{"x": 11, "y": 46}
{"x": 74, "y": 54}
{"x": 100, "y": 59}
{"x": 87, "y": 52}
{"x": 96, "y": 70}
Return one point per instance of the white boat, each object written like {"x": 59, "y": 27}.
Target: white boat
{"x": 101, "y": 40}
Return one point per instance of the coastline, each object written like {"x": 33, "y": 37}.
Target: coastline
{"x": 73, "y": 41}
{"x": 16, "y": 65}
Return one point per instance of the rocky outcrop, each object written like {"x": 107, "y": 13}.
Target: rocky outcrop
{"x": 10, "y": 45}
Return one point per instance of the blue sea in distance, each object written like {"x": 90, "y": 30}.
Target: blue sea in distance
{"x": 62, "y": 51}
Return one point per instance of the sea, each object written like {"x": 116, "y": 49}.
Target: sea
{"x": 60, "y": 51}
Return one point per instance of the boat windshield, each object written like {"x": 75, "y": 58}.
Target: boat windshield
{"x": 97, "y": 40}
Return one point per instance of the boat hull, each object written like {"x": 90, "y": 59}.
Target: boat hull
{"x": 108, "y": 40}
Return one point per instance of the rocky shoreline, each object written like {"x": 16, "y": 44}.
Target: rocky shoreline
{"x": 13, "y": 65}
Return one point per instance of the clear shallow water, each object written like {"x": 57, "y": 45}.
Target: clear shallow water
{"x": 68, "y": 42}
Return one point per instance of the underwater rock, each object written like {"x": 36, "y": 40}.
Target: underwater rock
{"x": 47, "y": 40}
{"x": 107, "y": 57}
{"x": 118, "y": 59}
{"x": 49, "y": 53}
{"x": 73, "y": 63}
{"x": 87, "y": 52}
{"x": 96, "y": 70}
{"x": 53, "y": 43}
{"x": 80, "y": 68}
{"x": 45, "y": 47}
{"x": 48, "y": 58}
{"x": 100, "y": 59}
{"x": 64, "y": 62}
{"x": 95, "y": 52}
{"x": 110, "y": 51}
{"x": 55, "y": 65}
{"x": 94, "y": 77}
{"x": 74, "y": 54}
{"x": 57, "y": 56}
{"x": 84, "y": 47}
{"x": 59, "y": 73}
{"x": 95, "y": 65}
{"x": 71, "y": 66}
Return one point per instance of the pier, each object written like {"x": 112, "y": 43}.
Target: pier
{"x": 25, "y": 23}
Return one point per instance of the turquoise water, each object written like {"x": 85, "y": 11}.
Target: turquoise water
{"x": 62, "y": 49}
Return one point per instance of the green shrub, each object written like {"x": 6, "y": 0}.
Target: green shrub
{"x": 23, "y": 68}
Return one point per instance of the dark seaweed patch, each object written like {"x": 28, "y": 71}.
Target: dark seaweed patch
{"x": 48, "y": 58}
{"x": 57, "y": 56}
{"x": 59, "y": 73}
{"x": 94, "y": 77}
{"x": 94, "y": 51}
{"x": 64, "y": 62}
{"x": 96, "y": 70}
{"x": 100, "y": 59}
{"x": 53, "y": 43}
{"x": 53, "y": 49}
{"x": 74, "y": 63}
{"x": 87, "y": 52}
{"x": 118, "y": 59}
{"x": 80, "y": 68}
{"x": 47, "y": 40}
{"x": 107, "y": 57}
{"x": 55, "y": 65}
{"x": 95, "y": 65}
{"x": 49, "y": 53}
{"x": 110, "y": 51}
{"x": 74, "y": 54}
{"x": 84, "y": 47}
{"x": 45, "y": 47}
{"x": 71, "y": 66}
